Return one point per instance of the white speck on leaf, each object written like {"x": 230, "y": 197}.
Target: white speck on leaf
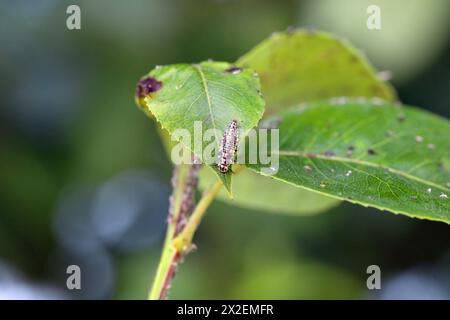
{"x": 348, "y": 173}
{"x": 429, "y": 190}
{"x": 385, "y": 75}
{"x": 377, "y": 101}
{"x": 443, "y": 196}
{"x": 419, "y": 139}
{"x": 273, "y": 169}
{"x": 234, "y": 70}
{"x": 338, "y": 100}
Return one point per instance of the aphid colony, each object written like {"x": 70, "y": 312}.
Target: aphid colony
{"x": 228, "y": 147}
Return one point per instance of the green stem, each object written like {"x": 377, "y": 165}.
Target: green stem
{"x": 168, "y": 253}
{"x": 175, "y": 247}
{"x": 184, "y": 240}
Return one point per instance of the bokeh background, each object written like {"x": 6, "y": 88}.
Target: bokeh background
{"x": 84, "y": 179}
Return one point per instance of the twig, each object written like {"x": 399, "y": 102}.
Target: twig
{"x": 184, "y": 240}
{"x": 181, "y": 225}
{"x": 166, "y": 262}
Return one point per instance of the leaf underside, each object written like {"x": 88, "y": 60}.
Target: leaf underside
{"x": 259, "y": 193}
{"x": 388, "y": 157}
{"x": 303, "y": 66}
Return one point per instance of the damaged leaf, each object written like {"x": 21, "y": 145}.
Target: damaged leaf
{"x": 198, "y": 97}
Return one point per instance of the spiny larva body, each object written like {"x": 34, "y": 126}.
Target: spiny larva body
{"x": 228, "y": 147}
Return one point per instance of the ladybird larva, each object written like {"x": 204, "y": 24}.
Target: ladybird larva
{"x": 228, "y": 147}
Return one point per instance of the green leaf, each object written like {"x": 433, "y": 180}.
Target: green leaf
{"x": 303, "y": 66}
{"x": 388, "y": 157}
{"x": 251, "y": 190}
{"x": 211, "y": 92}
{"x": 295, "y": 67}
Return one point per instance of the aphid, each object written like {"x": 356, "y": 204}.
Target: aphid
{"x": 228, "y": 147}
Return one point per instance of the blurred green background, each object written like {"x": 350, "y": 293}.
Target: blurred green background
{"x": 84, "y": 179}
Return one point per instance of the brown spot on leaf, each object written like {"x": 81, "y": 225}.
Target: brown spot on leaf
{"x": 147, "y": 85}
{"x": 371, "y": 152}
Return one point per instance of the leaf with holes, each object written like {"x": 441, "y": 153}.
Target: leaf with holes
{"x": 302, "y": 66}
{"x": 199, "y": 97}
{"x": 388, "y": 157}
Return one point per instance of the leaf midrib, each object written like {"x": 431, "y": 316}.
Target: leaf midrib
{"x": 198, "y": 68}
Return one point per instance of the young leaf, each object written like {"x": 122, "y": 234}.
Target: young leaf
{"x": 388, "y": 157}
{"x": 302, "y": 66}
{"x": 213, "y": 93}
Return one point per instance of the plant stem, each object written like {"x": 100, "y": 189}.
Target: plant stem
{"x": 184, "y": 240}
{"x": 168, "y": 254}
{"x": 175, "y": 246}
{"x": 165, "y": 271}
